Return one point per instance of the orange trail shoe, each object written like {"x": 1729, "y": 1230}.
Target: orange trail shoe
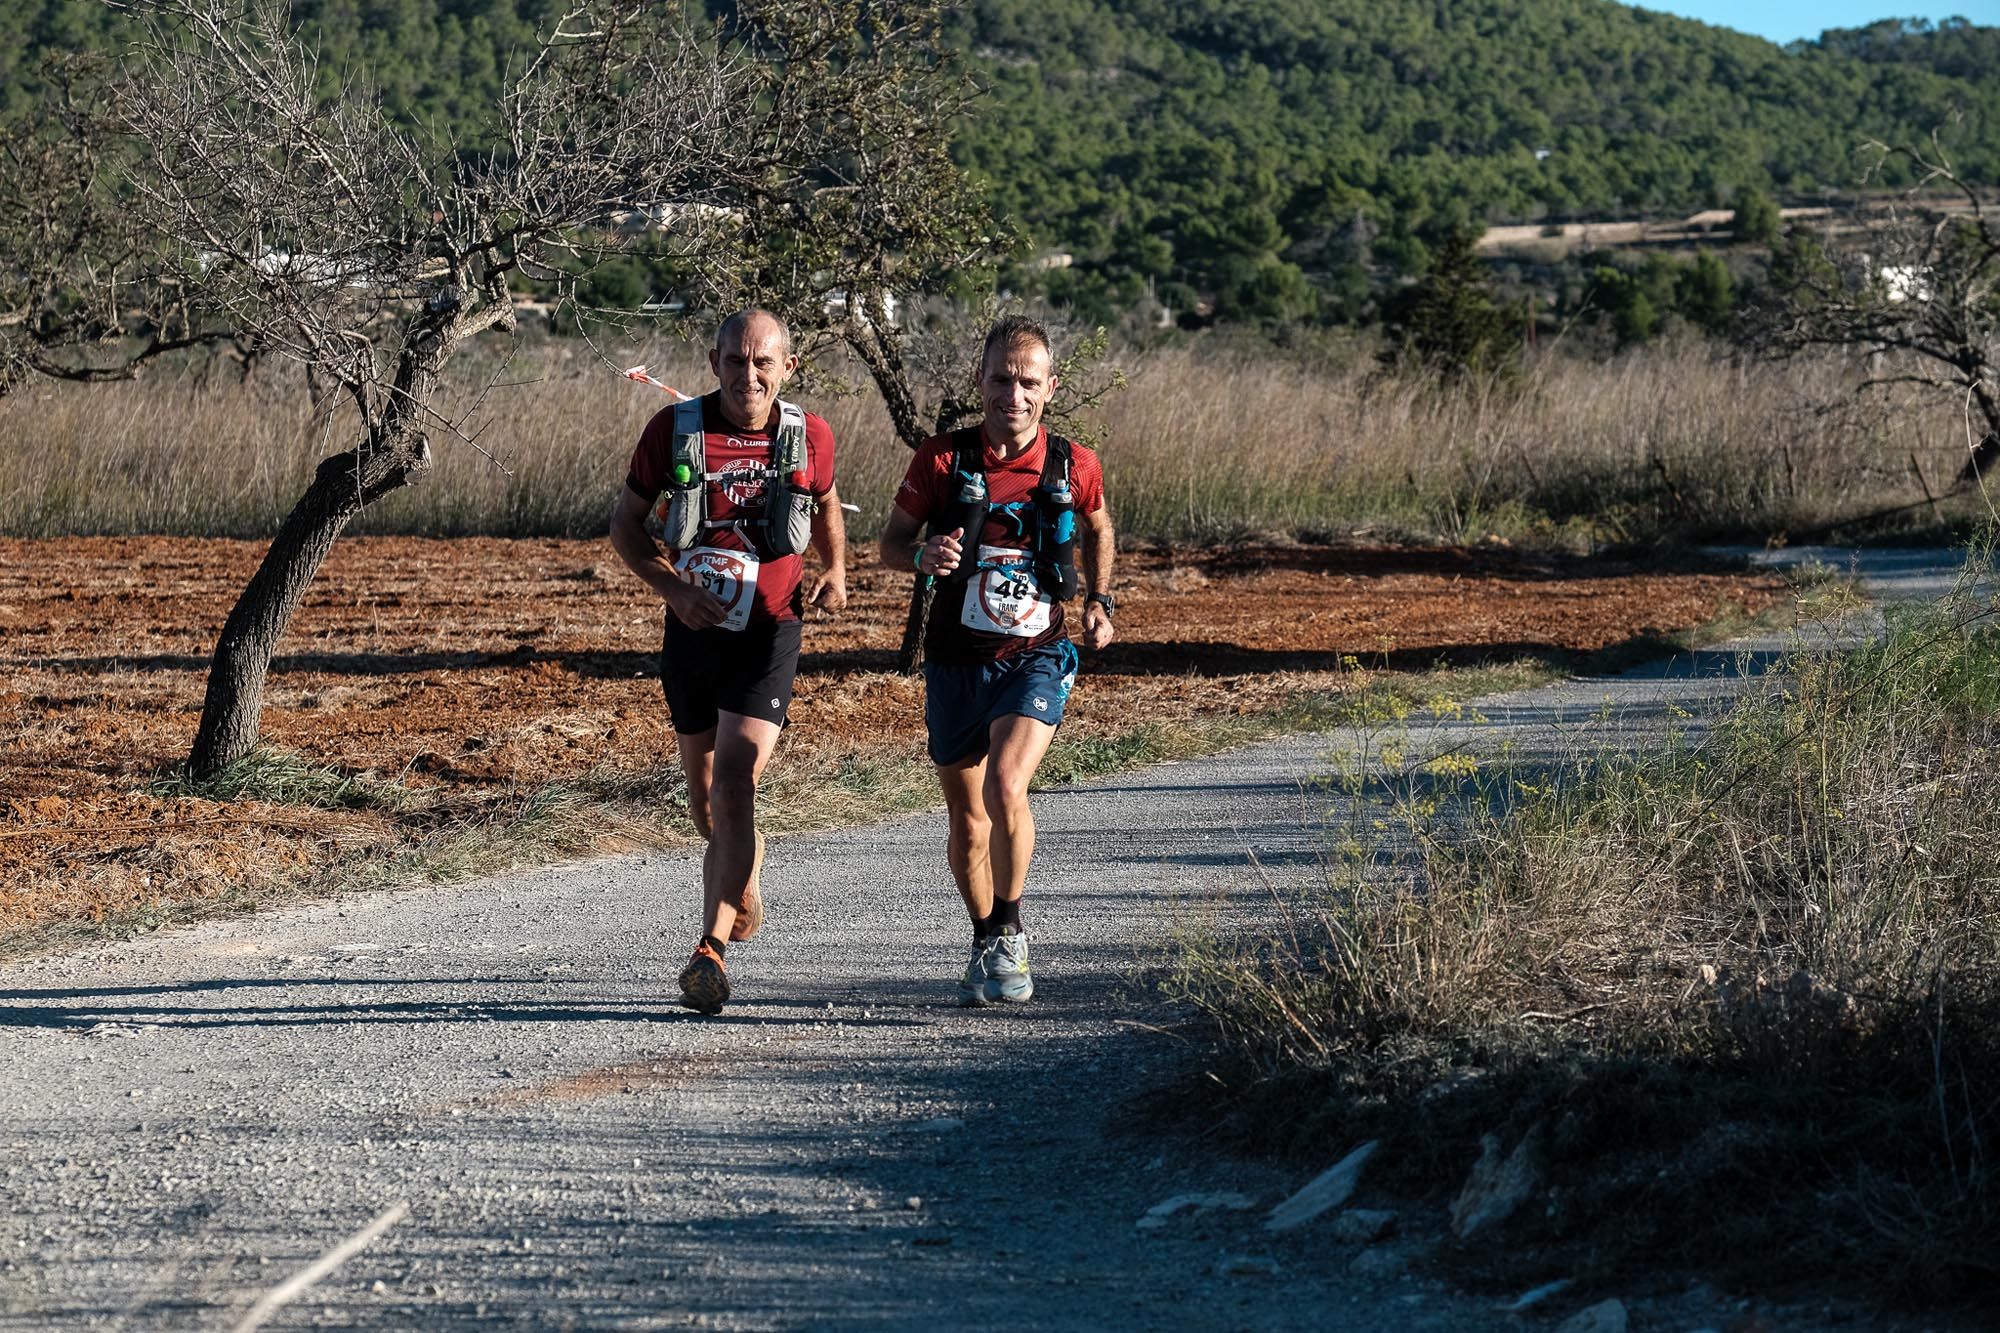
{"x": 704, "y": 983}
{"x": 750, "y": 912}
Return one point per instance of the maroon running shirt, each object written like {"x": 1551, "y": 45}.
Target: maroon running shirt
{"x": 930, "y": 490}
{"x": 729, "y": 449}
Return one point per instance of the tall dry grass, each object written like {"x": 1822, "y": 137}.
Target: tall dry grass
{"x": 1202, "y": 446}
{"x": 1743, "y": 995}
{"x": 534, "y": 445}
{"x": 1666, "y": 439}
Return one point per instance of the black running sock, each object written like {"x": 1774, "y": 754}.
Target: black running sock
{"x": 715, "y": 944}
{"x": 1005, "y": 918}
{"x": 980, "y": 929}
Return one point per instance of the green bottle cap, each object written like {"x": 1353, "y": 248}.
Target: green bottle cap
{"x": 682, "y": 474}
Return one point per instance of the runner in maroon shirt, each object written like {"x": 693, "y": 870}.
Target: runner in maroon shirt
{"x": 731, "y": 640}
{"x": 998, "y": 664}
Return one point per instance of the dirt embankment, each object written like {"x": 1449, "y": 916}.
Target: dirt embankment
{"x": 482, "y": 669}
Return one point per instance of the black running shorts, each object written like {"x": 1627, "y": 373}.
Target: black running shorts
{"x": 709, "y": 671}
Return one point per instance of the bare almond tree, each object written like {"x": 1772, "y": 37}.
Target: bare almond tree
{"x": 86, "y": 292}
{"x": 882, "y": 217}
{"x": 1920, "y": 293}
{"x": 794, "y": 156}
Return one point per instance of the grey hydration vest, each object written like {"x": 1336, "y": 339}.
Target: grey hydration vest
{"x": 785, "y": 526}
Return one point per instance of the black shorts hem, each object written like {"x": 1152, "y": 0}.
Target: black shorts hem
{"x": 707, "y": 672}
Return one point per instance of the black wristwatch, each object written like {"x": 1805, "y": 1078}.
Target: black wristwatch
{"x": 1105, "y": 600}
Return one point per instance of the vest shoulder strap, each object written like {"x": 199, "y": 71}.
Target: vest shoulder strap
{"x": 1057, "y": 460}
{"x": 968, "y": 453}
{"x": 788, "y": 448}
{"x": 688, "y": 432}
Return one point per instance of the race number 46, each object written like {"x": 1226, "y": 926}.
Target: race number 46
{"x": 1005, "y": 599}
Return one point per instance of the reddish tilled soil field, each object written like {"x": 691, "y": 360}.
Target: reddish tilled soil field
{"x": 475, "y": 672}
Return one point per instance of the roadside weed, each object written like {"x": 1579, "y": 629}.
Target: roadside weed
{"x": 279, "y": 776}
{"x": 1741, "y": 984}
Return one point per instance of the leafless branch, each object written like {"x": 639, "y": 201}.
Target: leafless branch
{"x": 1926, "y": 289}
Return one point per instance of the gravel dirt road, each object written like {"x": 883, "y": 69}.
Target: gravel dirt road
{"x": 188, "y": 1118}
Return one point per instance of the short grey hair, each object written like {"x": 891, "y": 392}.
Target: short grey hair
{"x": 1012, "y": 332}
{"x": 736, "y": 322}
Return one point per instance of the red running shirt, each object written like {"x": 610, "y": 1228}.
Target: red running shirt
{"x": 779, "y": 596}
{"x": 929, "y": 490}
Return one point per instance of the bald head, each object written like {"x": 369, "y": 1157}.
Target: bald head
{"x": 740, "y": 323}
{"x": 752, "y": 359}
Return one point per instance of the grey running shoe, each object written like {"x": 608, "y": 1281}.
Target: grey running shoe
{"x": 972, "y": 986}
{"x": 704, "y": 985}
{"x": 1007, "y": 976}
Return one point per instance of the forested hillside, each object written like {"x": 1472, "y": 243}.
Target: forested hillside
{"x": 1228, "y": 144}
{"x": 1275, "y": 157}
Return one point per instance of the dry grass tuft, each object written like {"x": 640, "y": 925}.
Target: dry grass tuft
{"x": 1746, "y": 990}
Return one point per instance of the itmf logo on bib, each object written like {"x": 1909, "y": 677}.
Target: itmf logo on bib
{"x": 730, "y": 577}
{"x": 1005, "y": 599}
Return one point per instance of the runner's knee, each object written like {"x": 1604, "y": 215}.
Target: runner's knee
{"x": 698, "y": 812}
{"x": 732, "y": 793}
{"x": 971, "y": 826}
{"x": 1006, "y": 792}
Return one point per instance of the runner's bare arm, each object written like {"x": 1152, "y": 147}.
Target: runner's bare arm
{"x": 900, "y": 549}
{"x": 1100, "y": 548}
{"x": 829, "y": 539}
{"x": 643, "y": 556}
{"x": 897, "y": 548}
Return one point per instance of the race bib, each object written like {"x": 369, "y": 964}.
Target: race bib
{"x": 1006, "y": 600}
{"x": 730, "y": 577}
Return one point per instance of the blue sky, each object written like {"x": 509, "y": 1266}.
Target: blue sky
{"x": 1789, "y": 20}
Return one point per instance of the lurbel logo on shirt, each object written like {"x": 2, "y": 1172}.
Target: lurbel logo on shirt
{"x": 743, "y": 480}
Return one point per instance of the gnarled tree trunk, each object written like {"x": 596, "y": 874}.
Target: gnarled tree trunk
{"x": 342, "y": 488}
{"x": 882, "y": 354}
{"x": 395, "y": 454}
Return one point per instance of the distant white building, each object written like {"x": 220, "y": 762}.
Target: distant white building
{"x": 664, "y": 217}
{"x": 1905, "y": 282}
{"x": 836, "y": 304}
{"x": 320, "y": 270}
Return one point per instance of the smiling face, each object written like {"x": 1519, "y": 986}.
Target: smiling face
{"x": 752, "y": 359}
{"x": 1015, "y": 383}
